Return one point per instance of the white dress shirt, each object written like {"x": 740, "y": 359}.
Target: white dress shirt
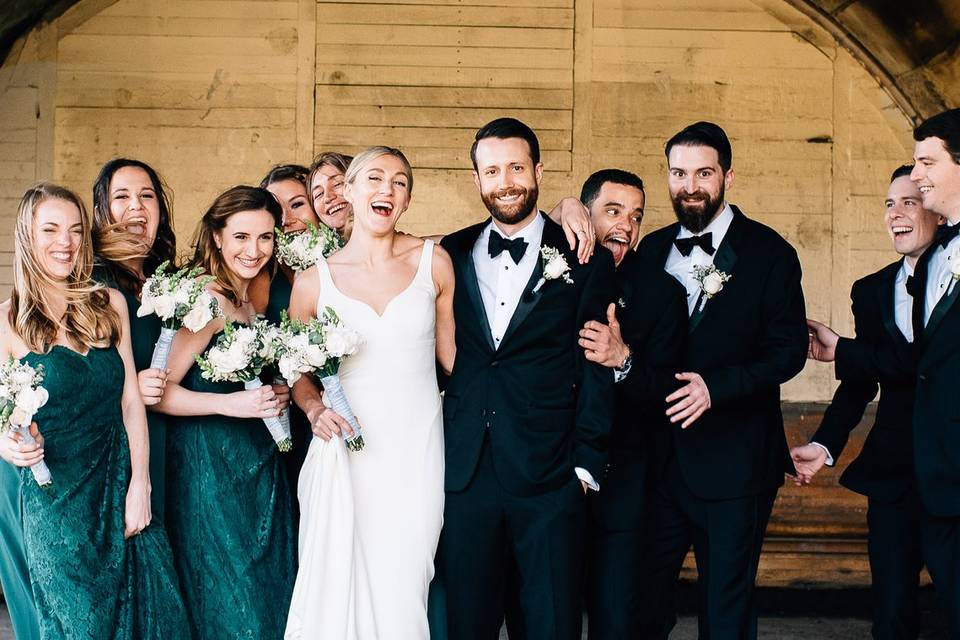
{"x": 902, "y": 315}
{"x": 939, "y": 276}
{"x": 681, "y": 266}
{"x": 903, "y": 302}
{"x": 502, "y": 283}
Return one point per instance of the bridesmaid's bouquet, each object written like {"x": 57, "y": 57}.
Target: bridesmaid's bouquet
{"x": 179, "y": 300}
{"x": 300, "y": 251}
{"x": 318, "y": 347}
{"x": 239, "y": 355}
{"x": 21, "y": 395}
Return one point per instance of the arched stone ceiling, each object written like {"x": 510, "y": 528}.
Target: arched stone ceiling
{"x": 910, "y": 47}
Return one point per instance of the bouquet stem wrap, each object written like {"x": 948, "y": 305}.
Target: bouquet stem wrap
{"x": 285, "y": 416}
{"x": 281, "y": 434}
{"x": 41, "y": 473}
{"x": 161, "y": 352}
{"x": 338, "y": 402}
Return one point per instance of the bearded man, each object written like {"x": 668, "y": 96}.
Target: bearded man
{"x": 721, "y": 460}
{"x": 526, "y": 415}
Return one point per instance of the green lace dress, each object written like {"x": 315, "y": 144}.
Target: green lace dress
{"x": 88, "y": 582}
{"x": 14, "y": 577}
{"x": 143, "y": 336}
{"x": 230, "y": 522}
{"x": 300, "y": 432}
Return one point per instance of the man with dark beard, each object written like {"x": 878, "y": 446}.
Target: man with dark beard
{"x": 722, "y": 459}
{"x": 526, "y": 415}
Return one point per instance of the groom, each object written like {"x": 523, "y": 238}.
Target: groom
{"x": 525, "y": 415}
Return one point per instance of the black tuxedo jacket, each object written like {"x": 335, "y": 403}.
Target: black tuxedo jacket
{"x": 750, "y": 338}
{"x": 934, "y": 362}
{"x": 544, "y": 407}
{"x": 884, "y": 468}
{"x": 653, "y": 322}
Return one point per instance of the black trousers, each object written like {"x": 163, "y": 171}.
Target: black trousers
{"x": 896, "y": 559}
{"x": 726, "y": 535}
{"x": 941, "y": 552}
{"x": 490, "y": 535}
{"x": 614, "y": 583}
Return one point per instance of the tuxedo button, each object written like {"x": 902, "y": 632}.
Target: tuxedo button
{"x": 495, "y": 363}
{"x": 922, "y": 377}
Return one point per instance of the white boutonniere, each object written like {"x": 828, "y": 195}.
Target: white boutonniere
{"x": 554, "y": 266}
{"x": 622, "y": 303}
{"x": 711, "y": 281}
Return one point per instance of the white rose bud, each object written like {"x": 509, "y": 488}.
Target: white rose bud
{"x": 315, "y": 356}
{"x": 555, "y": 268}
{"x": 288, "y": 369}
{"x": 336, "y": 343}
{"x": 28, "y": 400}
{"x": 22, "y": 377}
{"x": 712, "y": 283}
{"x": 182, "y": 294}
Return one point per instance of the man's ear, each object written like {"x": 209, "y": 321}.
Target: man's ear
{"x": 728, "y": 179}
{"x": 476, "y": 179}
{"x": 538, "y": 172}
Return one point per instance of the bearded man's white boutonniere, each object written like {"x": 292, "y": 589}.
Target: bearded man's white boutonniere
{"x": 554, "y": 266}
{"x": 711, "y": 281}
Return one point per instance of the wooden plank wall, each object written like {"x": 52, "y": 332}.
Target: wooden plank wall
{"x": 213, "y": 92}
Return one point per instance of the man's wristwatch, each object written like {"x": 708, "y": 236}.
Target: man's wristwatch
{"x": 626, "y": 361}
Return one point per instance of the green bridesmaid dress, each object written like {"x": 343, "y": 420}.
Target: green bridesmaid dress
{"x": 14, "y": 576}
{"x": 143, "y": 336}
{"x": 300, "y": 432}
{"x": 229, "y": 519}
{"x": 88, "y": 582}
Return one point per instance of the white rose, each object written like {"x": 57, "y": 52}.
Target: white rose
{"x": 198, "y": 317}
{"x": 315, "y": 356}
{"x": 341, "y": 342}
{"x": 244, "y": 336}
{"x": 43, "y": 396}
{"x": 20, "y": 418}
{"x": 712, "y": 283}
{"x": 183, "y": 292}
{"x": 288, "y": 369}
{"x": 555, "y": 268}
{"x": 28, "y": 400}
{"x": 955, "y": 266}
{"x": 146, "y": 305}
{"x": 164, "y": 305}
{"x": 22, "y": 377}
{"x": 227, "y": 361}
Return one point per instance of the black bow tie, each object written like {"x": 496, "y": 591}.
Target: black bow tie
{"x": 946, "y": 233}
{"x": 704, "y": 241}
{"x": 912, "y": 286}
{"x": 498, "y": 244}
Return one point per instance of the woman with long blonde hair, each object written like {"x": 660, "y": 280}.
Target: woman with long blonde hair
{"x": 97, "y": 566}
{"x": 231, "y": 530}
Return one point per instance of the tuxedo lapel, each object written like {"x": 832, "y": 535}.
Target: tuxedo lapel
{"x": 724, "y": 260}
{"x": 887, "y": 300}
{"x": 472, "y": 285}
{"x": 939, "y": 311}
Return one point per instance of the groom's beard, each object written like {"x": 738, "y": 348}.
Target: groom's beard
{"x": 696, "y": 215}
{"x": 515, "y": 212}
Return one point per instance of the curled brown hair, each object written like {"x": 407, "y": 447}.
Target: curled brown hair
{"x": 206, "y": 254}
{"x": 89, "y": 320}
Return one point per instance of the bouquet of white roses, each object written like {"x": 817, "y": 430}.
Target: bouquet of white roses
{"x": 240, "y": 355}
{"x": 179, "y": 300}
{"x": 318, "y": 347}
{"x": 300, "y": 251}
{"x": 20, "y": 397}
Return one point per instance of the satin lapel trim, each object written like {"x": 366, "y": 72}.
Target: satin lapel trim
{"x": 529, "y": 299}
{"x": 887, "y": 306}
{"x": 939, "y": 311}
{"x": 473, "y": 290}
{"x": 724, "y": 261}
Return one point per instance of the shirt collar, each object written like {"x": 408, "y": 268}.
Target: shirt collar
{"x": 718, "y": 226}
{"x": 531, "y": 233}
{"x": 905, "y": 271}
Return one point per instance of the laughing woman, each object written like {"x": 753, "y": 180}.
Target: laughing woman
{"x": 98, "y": 569}
{"x": 132, "y": 235}
{"x": 231, "y": 530}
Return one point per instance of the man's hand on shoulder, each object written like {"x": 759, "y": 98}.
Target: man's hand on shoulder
{"x": 823, "y": 342}
{"x": 689, "y": 401}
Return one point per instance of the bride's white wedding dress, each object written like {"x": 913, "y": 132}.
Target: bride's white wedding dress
{"x": 370, "y": 520}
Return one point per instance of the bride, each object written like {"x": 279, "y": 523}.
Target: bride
{"x": 371, "y": 519}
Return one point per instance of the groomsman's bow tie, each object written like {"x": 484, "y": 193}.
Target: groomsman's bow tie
{"x": 498, "y": 244}
{"x": 912, "y": 286}
{"x": 946, "y": 233}
{"x": 704, "y": 241}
